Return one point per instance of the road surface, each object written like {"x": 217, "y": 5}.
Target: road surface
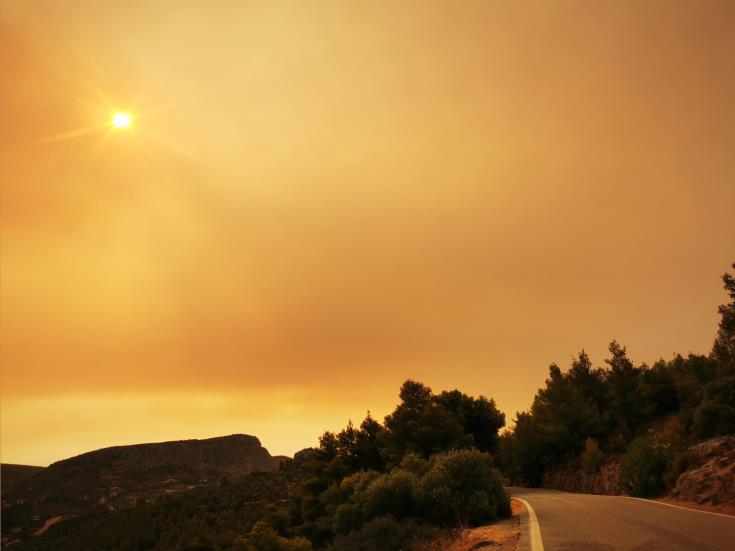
{"x": 582, "y": 522}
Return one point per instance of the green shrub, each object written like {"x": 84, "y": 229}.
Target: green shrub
{"x": 263, "y": 538}
{"x": 414, "y": 464}
{"x": 713, "y": 418}
{"x": 390, "y": 494}
{"x": 592, "y": 457}
{"x": 386, "y": 533}
{"x": 643, "y": 468}
{"x": 347, "y": 518}
{"x": 681, "y": 462}
{"x": 461, "y": 488}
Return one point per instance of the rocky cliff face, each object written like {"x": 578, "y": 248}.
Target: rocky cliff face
{"x": 710, "y": 476}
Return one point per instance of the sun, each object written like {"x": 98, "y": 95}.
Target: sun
{"x": 121, "y": 120}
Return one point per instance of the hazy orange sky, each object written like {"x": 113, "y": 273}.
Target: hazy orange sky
{"x": 318, "y": 200}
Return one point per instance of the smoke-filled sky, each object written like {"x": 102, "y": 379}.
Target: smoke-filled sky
{"x": 318, "y": 200}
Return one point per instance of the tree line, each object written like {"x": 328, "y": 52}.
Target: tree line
{"x": 431, "y": 461}
{"x": 588, "y": 413}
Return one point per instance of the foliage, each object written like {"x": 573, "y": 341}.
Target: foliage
{"x": 360, "y": 474}
{"x": 643, "y": 468}
{"x": 617, "y": 404}
{"x": 215, "y": 517}
{"x": 716, "y": 414}
{"x": 461, "y": 488}
{"x": 453, "y": 488}
{"x": 264, "y": 538}
{"x": 391, "y": 493}
{"x": 383, "y": 533}
{"x": 592, "y": 457}
{"x": 723, "y": 349}
{"x": 424, "y": 423}
{"x": 681, "y": 461}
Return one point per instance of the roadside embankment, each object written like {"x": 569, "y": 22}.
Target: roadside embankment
{"x": 702, "y": 475}
{"x": 709, "y": 478}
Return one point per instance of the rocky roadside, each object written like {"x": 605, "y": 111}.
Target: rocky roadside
{"x": 706, "y": 482}
{"x": 709, "y": 479}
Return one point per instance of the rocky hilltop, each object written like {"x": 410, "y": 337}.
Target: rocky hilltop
{"x": 235, "y": 455}
{"x": 121, "y": 476}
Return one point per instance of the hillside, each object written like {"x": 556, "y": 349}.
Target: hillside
{"x": 205, "y": 517}
{"x": 367, "y": 485}
{"x": 121, "y": 476}
{"x": 11, "y": 476}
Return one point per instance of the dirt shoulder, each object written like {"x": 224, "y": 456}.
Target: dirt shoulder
{"x": 501, "y": 536}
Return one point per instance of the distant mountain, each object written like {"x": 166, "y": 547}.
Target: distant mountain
{"x": 12, "y": 475}
{"x": 120, "y": 476}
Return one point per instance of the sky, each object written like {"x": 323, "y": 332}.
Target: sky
{"x": 318, "y": 200}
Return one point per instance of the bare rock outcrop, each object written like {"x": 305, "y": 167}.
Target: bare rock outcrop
{"x": 710, "y": 477}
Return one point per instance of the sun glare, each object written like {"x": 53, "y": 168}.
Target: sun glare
{"x": 121, "y": 120}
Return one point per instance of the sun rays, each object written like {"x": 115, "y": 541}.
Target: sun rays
{"x": 111, "y": 119}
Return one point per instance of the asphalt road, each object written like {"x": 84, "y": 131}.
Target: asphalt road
{"x": 582, "y": 522}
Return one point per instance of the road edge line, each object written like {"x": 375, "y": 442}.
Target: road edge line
{"x": 680, "y": 507}
{"x": 534, "y": 530}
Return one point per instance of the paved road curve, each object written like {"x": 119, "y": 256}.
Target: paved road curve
{"x": 582, "y": 522}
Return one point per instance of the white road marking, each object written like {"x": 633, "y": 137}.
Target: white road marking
{"x": 534, "y": 531}
{"x": 677, "y": 506}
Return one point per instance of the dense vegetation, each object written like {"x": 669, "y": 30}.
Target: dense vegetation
{"x": 402, "y": 468}
{"x": 429, "y": 467}
{"x": 221, "y": 517}
{"x": 589, "y": 413}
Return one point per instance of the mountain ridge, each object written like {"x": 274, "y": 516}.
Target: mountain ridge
{"x": 122, "y": 476}
{"x": 203, "y": 444}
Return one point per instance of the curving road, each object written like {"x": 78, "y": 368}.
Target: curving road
{"x": 583, "y": 522}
